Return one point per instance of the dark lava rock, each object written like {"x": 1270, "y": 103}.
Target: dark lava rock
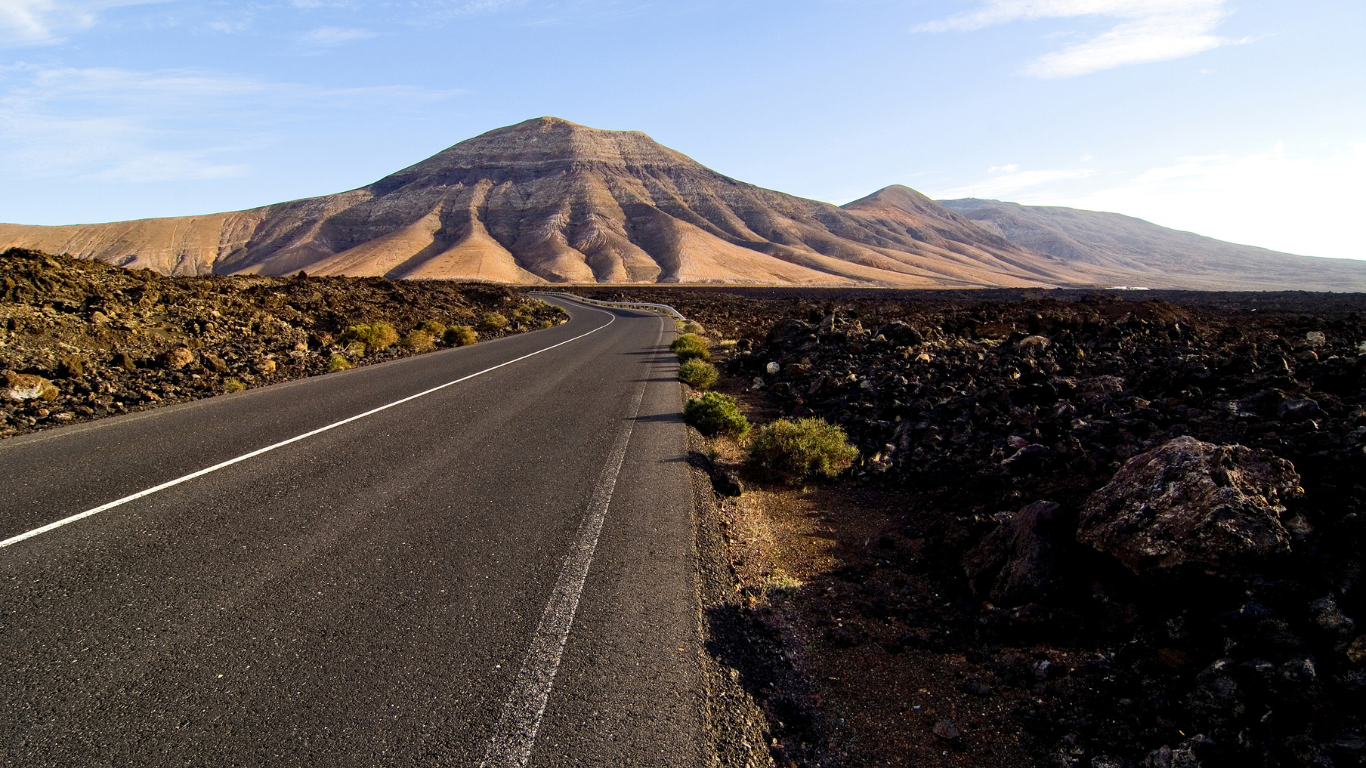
{"x": 791, "y": 330}
{"x": 975, "y": 687}
{"x": 1329, "y": 617}
{"x": 1026, "y": 460}
{"x": 71, "y": 367}
{"x": 176, "y": 358}
{"x": 1356, "y": 652}
{"x": 726, "y": 482}
{"x": 1298, "y": 410}
{"x": 945, "y": 729}
{"x": 901, "y": 334}
{"x": 1192, "y": 502}
{"x": 1016, "y": 562}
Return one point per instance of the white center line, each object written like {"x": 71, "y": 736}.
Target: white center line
{"x": 281, "y": 444}
{"x": 515, "y": 734}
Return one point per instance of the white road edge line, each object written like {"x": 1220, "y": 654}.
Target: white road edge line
{"x": 515, "y": 734}
{"x": 281, "y": 444}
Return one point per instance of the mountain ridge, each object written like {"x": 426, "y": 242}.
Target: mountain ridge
{"x": 1159, "y": 257}
{"x": 551, "y": 201}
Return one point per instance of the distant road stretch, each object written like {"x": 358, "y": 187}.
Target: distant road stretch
{"x": 474, "y": 557}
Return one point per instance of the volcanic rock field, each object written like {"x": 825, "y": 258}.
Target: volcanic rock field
{"x": 80, "y": 339}
{"x": 1131, "y": 522}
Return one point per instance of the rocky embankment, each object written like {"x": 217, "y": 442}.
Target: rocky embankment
{"x": 81, "y": 339}
{"x": 1138, "y": 525}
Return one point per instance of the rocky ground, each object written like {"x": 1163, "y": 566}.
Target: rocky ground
{"x": 1084, "y": 530}
{"x": 81, "y": 339}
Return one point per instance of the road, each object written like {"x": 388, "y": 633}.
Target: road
{"x": 496, "y": 572}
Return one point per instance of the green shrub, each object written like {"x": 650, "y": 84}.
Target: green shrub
{"x": 233, "y": 385}
{"x": 698, "y": 374}
{"x": 547, "y": 323}
{"x": 459, "y": 336}
{"x": 716, "y": 414}
{"x": 338, "y": 363}
{"x": 418, "y": 341}
{"x": 432, "y": 327}
{"x": 375, "y": 335}
{"x": 793, "y": 451}
{"x": 356, "y": 349}
{"x": 492, "y": 321}
{"x": 690, "y": 346}
{"x": 693, "y": 327}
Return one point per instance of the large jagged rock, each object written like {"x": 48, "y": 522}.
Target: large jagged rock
{"x": 1191, "y": 502}
{"x": 1016, "y": 562}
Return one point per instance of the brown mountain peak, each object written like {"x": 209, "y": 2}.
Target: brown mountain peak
{"x": 540, "y": 145}
{"x": 900, "y": 197}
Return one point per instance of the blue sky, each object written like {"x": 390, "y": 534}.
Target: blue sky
{"x": 1239, "y": 119}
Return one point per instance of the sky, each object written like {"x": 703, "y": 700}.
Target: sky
{"x": 1243, "y": 120}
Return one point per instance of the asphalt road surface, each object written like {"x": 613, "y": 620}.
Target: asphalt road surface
{"x": 497, "y": 572}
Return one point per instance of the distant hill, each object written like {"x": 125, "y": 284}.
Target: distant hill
{"x": 1156, "y": 256}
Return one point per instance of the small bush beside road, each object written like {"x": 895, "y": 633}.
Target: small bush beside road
{"x": 690, "y": 346}
{"x": 492, "y": 321}
{"x": 716, "y": 414}
{"x": 697, "y": 374}
{"x": 418, "y": 340}
{"x": 795, "y": 451}
{"x": 459, "y": 336}
{"x": 374, "y": 336}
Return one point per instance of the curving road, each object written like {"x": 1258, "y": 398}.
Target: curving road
{"x": 495, "y": 572}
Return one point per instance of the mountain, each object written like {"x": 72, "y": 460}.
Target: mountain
{"x": 551, "y": 201}
{"x": 1155, "y": 256}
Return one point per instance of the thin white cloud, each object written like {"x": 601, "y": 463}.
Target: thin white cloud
{"x": 1276, "y": 198}
{"x": 1008, "y": 180}
{"x": 235, "y": 20}
{"x": 111, "y": 124}
{"x": 44, "y": 22}
{"x": 330, "y": 36}
{"x": 170, "y": 166}
{"x": 478, "y": 6}
{"x": 229, "y": 27}
{"x": 1003, "y": 168}
{"x": 1149, "y": 31}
